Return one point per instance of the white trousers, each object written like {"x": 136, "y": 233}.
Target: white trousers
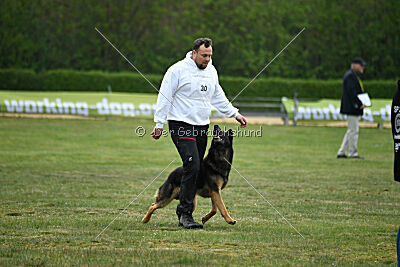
{"x": 351, "y": 137}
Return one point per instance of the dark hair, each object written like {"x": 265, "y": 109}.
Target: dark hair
{"x": 199, "y": 42}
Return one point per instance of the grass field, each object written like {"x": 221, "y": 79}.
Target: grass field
{"x": 63, "y": 181}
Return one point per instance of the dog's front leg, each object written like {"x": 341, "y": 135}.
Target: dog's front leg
{"x": 216, "y": 198}
{"x": 211, "y": 213}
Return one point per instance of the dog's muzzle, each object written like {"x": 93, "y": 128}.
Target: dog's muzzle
{"x": 217, "y": 139}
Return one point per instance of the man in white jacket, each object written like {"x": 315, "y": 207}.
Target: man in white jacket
{"x": 188, "y": 90}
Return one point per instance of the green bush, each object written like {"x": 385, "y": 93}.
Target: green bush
{"x": 11, "y": 79}
{"x": 72, "y": 80}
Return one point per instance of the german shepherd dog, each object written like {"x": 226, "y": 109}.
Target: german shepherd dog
{"x": 213, "y": 177}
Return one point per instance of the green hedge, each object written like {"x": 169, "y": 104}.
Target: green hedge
{"x": 277, "y": 87}
{"x": 72, "y": 80}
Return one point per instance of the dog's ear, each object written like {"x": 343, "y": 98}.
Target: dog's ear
{"x": 230, "y": 135}
{"x": 217, "y": 130}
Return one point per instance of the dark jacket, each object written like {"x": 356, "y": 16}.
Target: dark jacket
{"x": 396, "y": 132}
{"x": 350, "y": 103}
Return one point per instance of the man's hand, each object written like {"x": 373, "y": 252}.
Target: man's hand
{"x": 362, "y": 106}
{"x": 242, "y": 120}
{"x": 156, "y": 133}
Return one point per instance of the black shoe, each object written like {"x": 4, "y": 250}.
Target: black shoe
{"x": 341, "y": 156}
{"x": 187, "y": 221}
{"x": 356, "y": 157}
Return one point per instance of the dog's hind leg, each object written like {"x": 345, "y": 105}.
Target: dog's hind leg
{"x": 211, "y": 213}
{"x": 216, "y": 197}
{"x": 160, "y": 203}
{"x": 153, "y": 207}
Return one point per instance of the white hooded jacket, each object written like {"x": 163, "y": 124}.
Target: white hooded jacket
{"x": 187, "y": 93}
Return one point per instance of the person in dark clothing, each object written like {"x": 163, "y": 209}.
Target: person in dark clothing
{"x": 352, "y": 107}
{"x": 395, "y": 116}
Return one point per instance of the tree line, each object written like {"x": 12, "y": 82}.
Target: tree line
{"x": 59, "y": 34}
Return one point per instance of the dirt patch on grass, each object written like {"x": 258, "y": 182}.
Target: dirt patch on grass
{"x": 49, "y": 116}
{"x": 251, "y": 120}
{"x": 279, "y": 121}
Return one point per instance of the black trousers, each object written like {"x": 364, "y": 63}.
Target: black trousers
{"x": 395, "y": 114}
{"x": 191, "y": 142}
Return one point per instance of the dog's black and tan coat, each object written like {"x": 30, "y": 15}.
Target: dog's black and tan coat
{"x": 213, "y": 177}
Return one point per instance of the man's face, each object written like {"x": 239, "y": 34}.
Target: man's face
{"x": 358, "y": 68}
{"x": 202, "y": 57}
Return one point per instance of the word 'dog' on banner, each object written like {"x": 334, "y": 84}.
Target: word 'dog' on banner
{"x": 82, "y": 104}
